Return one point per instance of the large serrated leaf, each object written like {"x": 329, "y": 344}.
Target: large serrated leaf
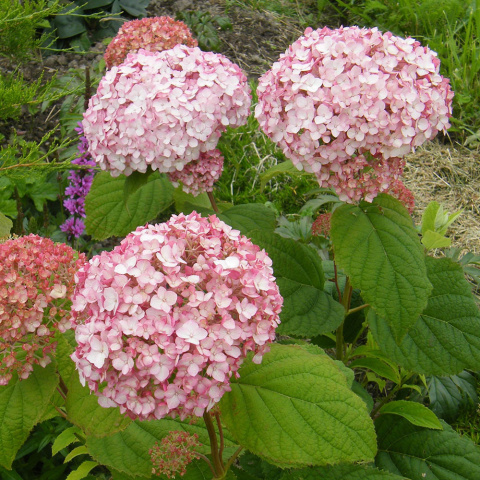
{"x": 422, "y": 453}
{"x": 108, "y": 214}
{"x": 341, "y": 472}
{"x": 84, "y": 411}
{"x": 22, "y": 405}
{"x": 250, "y": 217}
{"x": 446, "y": 337}
{"x": 307, "y": 309}
{"x": 127, "y": 451}
{"x": 295, "y": 409}
{"x": 377, "y": 245}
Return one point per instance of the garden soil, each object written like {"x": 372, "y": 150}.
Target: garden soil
{"x": 441, "y": 170}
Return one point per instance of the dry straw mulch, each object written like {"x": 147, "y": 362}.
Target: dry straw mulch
{"x": 450, "y": 175}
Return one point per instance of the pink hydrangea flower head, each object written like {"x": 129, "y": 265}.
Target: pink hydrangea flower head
{"x": 349, "y": 92}
{"x": 36, "y": 283}
{"x": 165, "y": 319}
{"x": 155, "y": 34}
{"x": 163, "y": 109}
{"x": 199, "y": 175}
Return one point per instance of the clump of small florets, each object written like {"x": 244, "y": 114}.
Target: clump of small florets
{"x": 402, "y": 193}
{"x": 165, "y": 319}
{"x": 321, "y": 225}
{"x": 163, "y": 109}
{"x": 80, "y": 182}
{"x": 36, "y": 283}
{"x": 155, "y": 34}
{"x": 171, "y": 456}
{"x": 351, "y": 92}
{"x": 199, "y": 175}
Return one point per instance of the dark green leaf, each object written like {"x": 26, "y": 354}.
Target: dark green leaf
{"x": 69, "y": 25}
{"x": 136, "y": 8}
{"x": 341, "y": 472}
{"x": 134, "y": 181}
{"x": 377, "y": 245}
{"x": 250, "y": 217}
{"x": 446, "y": 337}
{"x": 422, "y": 453}
{"x": 307, "y": 310}
{"x": 22, "y": 404}
{"x": 449, "y": 395}
{"x": 107, "y": 214}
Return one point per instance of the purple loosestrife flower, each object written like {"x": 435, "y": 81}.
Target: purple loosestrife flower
{"x": 80, "y": 183}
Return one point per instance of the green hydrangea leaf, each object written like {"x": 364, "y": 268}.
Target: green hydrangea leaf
{"x": 5, "y": 225}
{"x": 108, "y": 213}
{"x": 22, "y": 405}
{"x": 449, "y": 395}
{"x": 377, "y": 245}
{"x": 82, "y": 471}
{"x": 414, "y": 412}
{"x": 307, "y": 310}
{"x": 84, "y": 411}
{"x": 341, "y": 472}
{"x": 250, "y": 217}
{"x": 127, "y": 451}
{"x": 416, "y": 452}
{"x": 446, "y": 337}
{"x": 296, "y": 409}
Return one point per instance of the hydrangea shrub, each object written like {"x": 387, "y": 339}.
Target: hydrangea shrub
{"x": 175, "y": 327}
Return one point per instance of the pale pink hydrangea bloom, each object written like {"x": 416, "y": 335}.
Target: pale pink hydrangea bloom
{"x": 165, "y": 319}
{"x": 163, "y": 109}
{"x": 199, "y": 175}
{"x": 154, "y": 34}
{"x": 36, "y": 283}
{"x": 351, "y": 92}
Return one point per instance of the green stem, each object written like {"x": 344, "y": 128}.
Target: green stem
{"x": 217, "y": 461}
{"x": 220, "y": 433}
{"x": 357, "y": 309}
{"x": 212, "y": 201}
{"x": 345, "y": 300}
{"x": 209, "y": 463}
{"x": 233, "y": 458}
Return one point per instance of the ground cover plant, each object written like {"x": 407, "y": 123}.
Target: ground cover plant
{"x": 208, "y": 336}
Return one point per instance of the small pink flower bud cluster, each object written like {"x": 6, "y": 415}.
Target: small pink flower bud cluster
{"x": 164, "y": 109}
{"x": 175, "y": 451}
{"x": 351, "y": 92}
{"x": 402, "y": 193}
{"x": 165, "y": 319}
{"x": 199, "y": 175}
{"x": 155, "y": 34}
{"x": 36, "y": 283}
{"x": 321, "y": 226}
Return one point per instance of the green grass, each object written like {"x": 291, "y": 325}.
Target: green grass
{"x": 468, "y": 424}
{"x": 248, "y": 154}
